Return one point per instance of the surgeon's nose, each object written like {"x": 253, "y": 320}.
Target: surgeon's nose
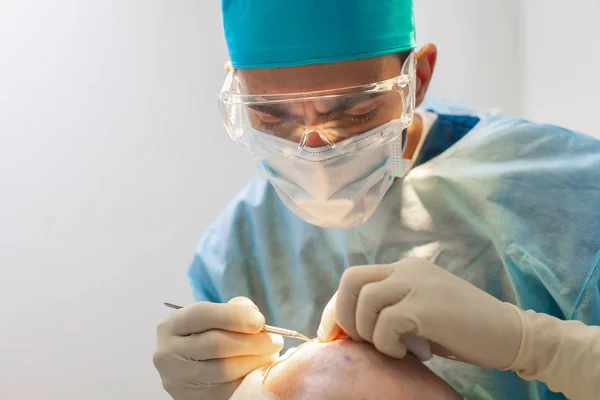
{"x": 314, "y": 139}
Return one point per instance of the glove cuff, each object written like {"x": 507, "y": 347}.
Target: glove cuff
{"x": 562, "y": 354}
{"x": 522, "y": 347}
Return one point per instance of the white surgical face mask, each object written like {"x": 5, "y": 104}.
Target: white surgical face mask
{"x": 330, "y": 189}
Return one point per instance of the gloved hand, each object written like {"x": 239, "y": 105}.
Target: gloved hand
{"x": 205, "y": 350}
{"x": 381, "y": 303}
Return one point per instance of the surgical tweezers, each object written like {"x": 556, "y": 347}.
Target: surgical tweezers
{"x": 269, "y": 329}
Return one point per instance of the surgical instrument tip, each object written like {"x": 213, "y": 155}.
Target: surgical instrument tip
{"x": 285, "y": 332}
{"x": 269, "y": 329}
{"x": 174, "y": 306}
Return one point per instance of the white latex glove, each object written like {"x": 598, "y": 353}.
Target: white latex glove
{"x": 563, "y": 354}
{"x": 382, "y": 303}
{"x": 205, "y": 350}
{"x": 417, "y": 345}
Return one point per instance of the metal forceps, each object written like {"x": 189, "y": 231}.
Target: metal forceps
{"x": 269, "y": 329}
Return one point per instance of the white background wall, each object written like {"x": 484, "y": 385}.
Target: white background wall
{"x": 479, "y": 50}
{"x": 561, "y": 64}
{"x": 113, "y": 162}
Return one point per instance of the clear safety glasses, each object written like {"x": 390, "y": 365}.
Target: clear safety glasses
{"x": 318, "y": 119}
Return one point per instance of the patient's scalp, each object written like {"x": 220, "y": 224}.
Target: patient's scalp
{"x": 348, "y": 370}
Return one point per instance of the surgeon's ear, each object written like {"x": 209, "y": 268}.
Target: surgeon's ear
{"x": 227, "y": 66}
{"x": 426, "y": 59}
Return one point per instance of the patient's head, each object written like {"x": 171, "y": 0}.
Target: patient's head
{"x": 345, "y": 370}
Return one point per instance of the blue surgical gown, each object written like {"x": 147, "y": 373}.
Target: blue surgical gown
{"x": 509, "y": 205}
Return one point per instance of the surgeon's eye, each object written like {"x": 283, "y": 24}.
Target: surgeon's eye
{"x": 362, "y": 112}
{"x": 363, "y": 118}
{"x": 269, "y": 119}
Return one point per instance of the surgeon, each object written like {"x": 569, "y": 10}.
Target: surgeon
{"x": 478, "y": 234}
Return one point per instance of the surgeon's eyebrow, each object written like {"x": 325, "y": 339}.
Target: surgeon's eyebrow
{"x": 341, "y": 106}
{"x": 351, "y": 102}
{"x": 273, "y": 110}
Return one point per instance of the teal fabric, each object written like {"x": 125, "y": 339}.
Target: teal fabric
{"x": 512, "y": 207}
{"x": 276, "y": 33}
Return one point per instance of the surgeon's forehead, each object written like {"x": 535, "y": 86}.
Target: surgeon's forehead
{"x": 319, "y": 76}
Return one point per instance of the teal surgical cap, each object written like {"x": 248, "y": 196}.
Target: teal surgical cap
{"x": 283, "y": 33}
